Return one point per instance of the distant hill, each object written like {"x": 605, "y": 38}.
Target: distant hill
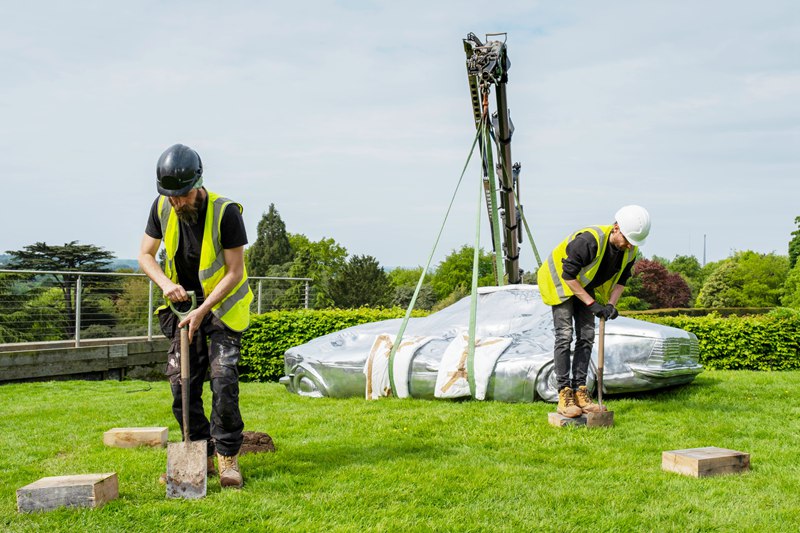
{"x": 118, "y": 264}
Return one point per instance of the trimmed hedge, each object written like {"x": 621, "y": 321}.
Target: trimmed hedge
{"x": 271, "y": 334}
{"x": 764, "y": 342}
{"x": 702, "y": 311}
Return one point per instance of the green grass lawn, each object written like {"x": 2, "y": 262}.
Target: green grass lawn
{"x": 414, "y": 465}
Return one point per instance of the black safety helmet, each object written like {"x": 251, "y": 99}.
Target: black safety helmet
{"x": 178, "y": 171}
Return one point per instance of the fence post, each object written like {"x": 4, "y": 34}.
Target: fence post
{"x": 259, "y": 298}
{"x": 150, "y": 311}
{"x": 306, "y": 295}
{"x": 78, "y": 313}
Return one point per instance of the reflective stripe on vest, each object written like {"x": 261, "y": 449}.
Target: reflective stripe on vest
{"x": 234, "y": 309}
{"x": 549, "y": 277}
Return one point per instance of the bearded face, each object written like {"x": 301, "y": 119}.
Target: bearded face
{"x": 187, "y": 209}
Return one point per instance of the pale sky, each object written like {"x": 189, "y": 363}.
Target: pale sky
{"x": 354, "y": 118}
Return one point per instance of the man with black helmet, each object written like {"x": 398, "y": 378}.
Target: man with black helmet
{"x": 595, "y": 259}
{"x": 204, "y": 238}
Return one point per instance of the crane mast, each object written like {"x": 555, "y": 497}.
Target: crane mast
{"x": 487, "y": 66}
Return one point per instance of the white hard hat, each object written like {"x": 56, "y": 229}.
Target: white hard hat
{"x": 634, "y": 223}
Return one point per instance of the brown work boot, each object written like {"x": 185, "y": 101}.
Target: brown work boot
{"x": 229, "y": 475}
{"x": 584, "y": 400}
{"x": 211, "y": 469}
{"x": 566, "y": 404}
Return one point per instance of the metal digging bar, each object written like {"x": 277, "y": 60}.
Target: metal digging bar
{"x": 487, "y": 65}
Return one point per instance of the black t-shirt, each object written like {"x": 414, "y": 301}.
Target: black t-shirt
{"x": 187, "y": 258}
{"x": 583, "y": 250}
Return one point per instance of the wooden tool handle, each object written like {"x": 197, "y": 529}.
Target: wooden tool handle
{"x": 185, "y": 381}
{"x": 601, "y": 360}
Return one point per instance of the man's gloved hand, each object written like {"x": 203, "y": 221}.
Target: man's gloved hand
{"x": 598, "y": 310}
{"x": 611, "y": 312}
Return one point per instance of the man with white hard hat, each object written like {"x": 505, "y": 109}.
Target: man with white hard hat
{"x": 593, "y": 260}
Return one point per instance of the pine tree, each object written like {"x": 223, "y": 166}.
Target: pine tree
{"x": 361, "y": 282}
{"x": 794, "y": 244}
{"x": 271, "y": 247}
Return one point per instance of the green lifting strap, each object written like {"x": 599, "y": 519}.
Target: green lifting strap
{"x": 498, "y": 247}
{"x": 402, "y": 330}
{"x": 473, "y": 297}
{"x": 528, "y": 231}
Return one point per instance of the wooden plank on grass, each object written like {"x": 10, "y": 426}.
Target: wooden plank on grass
{"x": 703, "y": 462}
{"x": 133, "y": 437}
{"x": 603, "y": 419}
{"x": 85, "y": 490}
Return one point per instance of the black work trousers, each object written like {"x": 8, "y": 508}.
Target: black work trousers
{"x": 214, "y": 347}
{"x": 564, "y": 315}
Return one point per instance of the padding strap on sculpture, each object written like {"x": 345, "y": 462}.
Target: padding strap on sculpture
{"x": 411, "y": 304}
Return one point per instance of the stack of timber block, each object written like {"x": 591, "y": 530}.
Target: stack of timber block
{"x": 133, "y": 437}
{"x": 86, "y": 490}
{"x": 703, "y": 462}
{"x": 591, "y": 420}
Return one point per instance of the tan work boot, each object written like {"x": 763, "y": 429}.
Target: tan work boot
{"x": 566, "y": 404}
{"x": 229, "y": 475}
{"x": 584, "y": 400}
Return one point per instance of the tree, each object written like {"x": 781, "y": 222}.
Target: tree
{"x": 689, "y": 267}
{"x": 748, "y": 279}
{"x": 660, "y": 288}
{"x": 131, "y": 315}
{"x": 271, "y": 247}
{"x": 718, "y": 291}
{"x": 69, "y": 257}
{"x": 662, "y": 260}
{"x": 791, "y": 289}
{"x": 794, "y": 244}
{"x": 404, "y": 281}
{"x": 13, "y": 326}
{"x": 362, "y": 282}
{"x": 456, "y": 271}
{"x": 321, "y": 261}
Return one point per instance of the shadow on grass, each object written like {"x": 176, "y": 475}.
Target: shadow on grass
{"x": 341, "y": 455}
{"x": 697, "y": 388}
{"x": 320, "y": 460}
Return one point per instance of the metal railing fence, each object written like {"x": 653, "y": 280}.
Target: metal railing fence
{"x": 38, "y": 305}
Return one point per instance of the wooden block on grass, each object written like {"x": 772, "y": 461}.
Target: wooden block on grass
{"x": 132, "y": 437}
{"x": 558, "y": 420}
{"x": 86, "y": 490}
{"x": 708, "y": 461}
{"x": 604, "y": 419}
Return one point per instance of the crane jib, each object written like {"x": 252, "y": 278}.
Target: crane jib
{"x": 487, "y": 67}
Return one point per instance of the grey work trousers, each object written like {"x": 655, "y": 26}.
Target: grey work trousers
{"x": 217, "y": 347}
{"x": 564, "y": 315}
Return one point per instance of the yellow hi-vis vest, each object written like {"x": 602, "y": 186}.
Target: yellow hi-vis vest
{"x": 549, "y": 277}
{"x": 233, "y": 309}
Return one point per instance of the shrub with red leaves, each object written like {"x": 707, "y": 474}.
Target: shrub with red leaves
{"x": 661, "y": 288}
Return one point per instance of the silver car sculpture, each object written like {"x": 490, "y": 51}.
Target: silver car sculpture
{"x": 639, "y": 356}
